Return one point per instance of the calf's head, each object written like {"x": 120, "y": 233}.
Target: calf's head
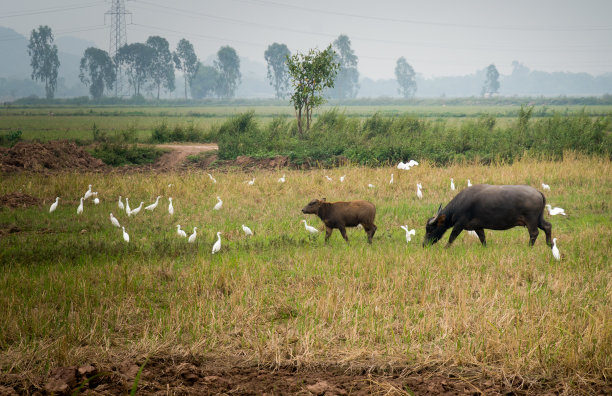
{"x": 313, "y": 206}
{"x": 435, "y": 228}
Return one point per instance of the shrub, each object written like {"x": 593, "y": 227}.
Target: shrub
{"x": 115, "y": 154}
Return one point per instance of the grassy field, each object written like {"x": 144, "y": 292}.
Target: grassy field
{"x": 66, "y": 122}
{"x": 72, "y": 291}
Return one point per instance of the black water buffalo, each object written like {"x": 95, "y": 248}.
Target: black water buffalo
{"x": 493, "y": 207}
{"x": 343, "y": 214}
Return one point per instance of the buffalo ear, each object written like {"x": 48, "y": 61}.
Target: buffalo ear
{"x": 439, "y": 209}
{"x": 440, "y": 219}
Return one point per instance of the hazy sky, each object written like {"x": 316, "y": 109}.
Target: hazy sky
{"x": 437, "y": 37}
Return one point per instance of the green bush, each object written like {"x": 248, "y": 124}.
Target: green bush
{"x": 11, "y": 138}
{"x": 115, "y": 154}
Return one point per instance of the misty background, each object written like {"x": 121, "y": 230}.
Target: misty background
{"x": 542, "y": 48}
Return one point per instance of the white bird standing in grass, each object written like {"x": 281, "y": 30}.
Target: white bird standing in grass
{"x": 136, "y": 210}
{"x": 80, "y": 208}
{"x": 219, "y": 204}
{"x": 342, "y": 178}
{"x": 153, "y": 205}
{"x": 217, "y": 246}
{"x": 473, "y": 233}
{"x": 212, "y": 178}
{"x": 328, "y": 178}
{"x": 127, "y": 206}
{"x": 371, "y": 185}
{"x": 54, "y": 205}
{"x": 170, "y": 207}
{"x": 391, "y": 181}
{"x": 452, "y": 184}
{"x": 115, "y": 221}
{"x": 247, "y": 230}
{"x": 282, "y": 179}
{"x": 180, "y": 232}
{"x": 408, "y": 232}
{"x": 412, "y": 163}
{"x": 120, "y": 204}
{"x": 419, "y": 192}
{"x": 469, "y": 183}
{"x": 310, "y": 229}
{"x": 96, "y": 200}
{"x": 126, "y": 236}
{"x": 555, "y": 211}
{"x": 555, "y": 250}
{"x": 545, "y": 187}
{"x": 251, "y": 182}
{"x": 192, "y": 237}
{"x": 88, "y": 193}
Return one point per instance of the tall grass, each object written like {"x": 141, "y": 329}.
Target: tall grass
{"x": 71, "y": 291}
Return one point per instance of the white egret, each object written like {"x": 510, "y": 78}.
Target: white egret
{"x": 54, "y": 205}
{"x": 555, "y": 211}
{"x": 170, "y": 207}
{"x": 135, "y": 211}
{"x": 217, "y": 246}
{"x": 452, "y": 184}
{"x": 247, "y": 230}
{"x": 127, "y": 206}
{"x": 555, "y": 250}
{"x": 371, "y": 185}
{"x": 153, "y": 205}
{"x": 192, "y": 237}
{"x": 282, "y": 179}
{"x": 391, "y": 181}
{"x": 310, "y": 229}
{"x": 401, "y": 165}
{"x": 408, "y": 232}
{"x": 419, "y": 192}
{"x": 88, "y": 193}
{"x": 212, "y": 178}
{"x": 412, "y": 163}
{"x": 120, "y": 203}
{"x": 328, "y": 178}
{"x": 126, "y": 236}
{"x": 251, "y": 182}
{"x": 469, "y": 183}
{"x": 80, "y": 208}
{"x": 473, "y": 233}
{"x": 219, "y": 204}
{"x": 96, "y": 200}
{"x": 342, "y": 178}
{"x": 180, "y": 232}
{"x": 545, "y": 187}
{"x": 115, "y": 221}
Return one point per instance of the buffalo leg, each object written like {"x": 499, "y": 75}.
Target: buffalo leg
{"x": 343, "y": 232}
{"x": 481, "y": 236}
{"x": 328, "y": 231}
{"x": 533, "y": 234}
{"x": 454, "y": 234}
{"x": 370, "y": 229}
{"x": 547, "y": 228}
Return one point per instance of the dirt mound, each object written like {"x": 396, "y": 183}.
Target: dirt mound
{"x": 18, "y": 200}
{"x": 40, "y": 157}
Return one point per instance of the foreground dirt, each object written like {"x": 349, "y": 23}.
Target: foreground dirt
{"x": 165, "y": 376}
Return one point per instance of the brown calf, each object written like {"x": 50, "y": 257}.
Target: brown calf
{"x": 343, "y": 214}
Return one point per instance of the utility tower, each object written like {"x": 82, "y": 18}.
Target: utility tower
{"x": 118, "y": 38}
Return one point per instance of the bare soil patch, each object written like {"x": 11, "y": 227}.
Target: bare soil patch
{"x": 51, "y": 156}
{"x": 179, "y": 152}
{"x": 18, "y": 200}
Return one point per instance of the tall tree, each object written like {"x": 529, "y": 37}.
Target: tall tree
{"x": 347, "y": 80}
{"x": 276, "y": 55}
{"x": 491, "y": 85}
{"x": 406, "y": 78}
{"x": 137, "y": 59}
{"x": 310, "y": 74}
{"x": 97, "y": 71}
{"x": 162, "y": 65}
{"x": 205, "y": 83}
{"x": 228, "y": 66}
{"x": 44, "y": 59}
{"x": 186, "y": 61}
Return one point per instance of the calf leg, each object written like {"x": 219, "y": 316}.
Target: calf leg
{"x": 343, "y": 232}
{"x": 454, "y": 234}
{"x": 547, "y": 228}
{"x": 328, "y": 231}
{"x": 481, "y": 236}
{"x": 370, "y": 229}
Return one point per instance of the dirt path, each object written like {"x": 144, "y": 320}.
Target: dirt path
{"x": 179, "y": 153}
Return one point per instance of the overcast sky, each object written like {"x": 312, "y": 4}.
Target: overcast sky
{"x": 437, "y": 37}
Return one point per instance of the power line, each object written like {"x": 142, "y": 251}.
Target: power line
{"x": 51, "y": 10}
{"x": 59, "y": 32}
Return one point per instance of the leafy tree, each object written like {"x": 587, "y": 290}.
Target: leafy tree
{"x": 310, "y": 74}
{"x": 406, "y": 78}
{"x": 162, "y": 66}
{"x": 137, "y": 59}
{"x": 97, "y": 71}
{"x": 186, "y": 61}
{"x": 45, "y": 61}
{"x": 276, "y": 55}
{"x": 228, "y": 66}
{"x": 205, "y": 83}
{"x": 491, "y": 85}
{"x": 347, "y": 80}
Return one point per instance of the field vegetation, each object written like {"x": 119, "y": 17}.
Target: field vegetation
{"x": 72, "y": 291}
